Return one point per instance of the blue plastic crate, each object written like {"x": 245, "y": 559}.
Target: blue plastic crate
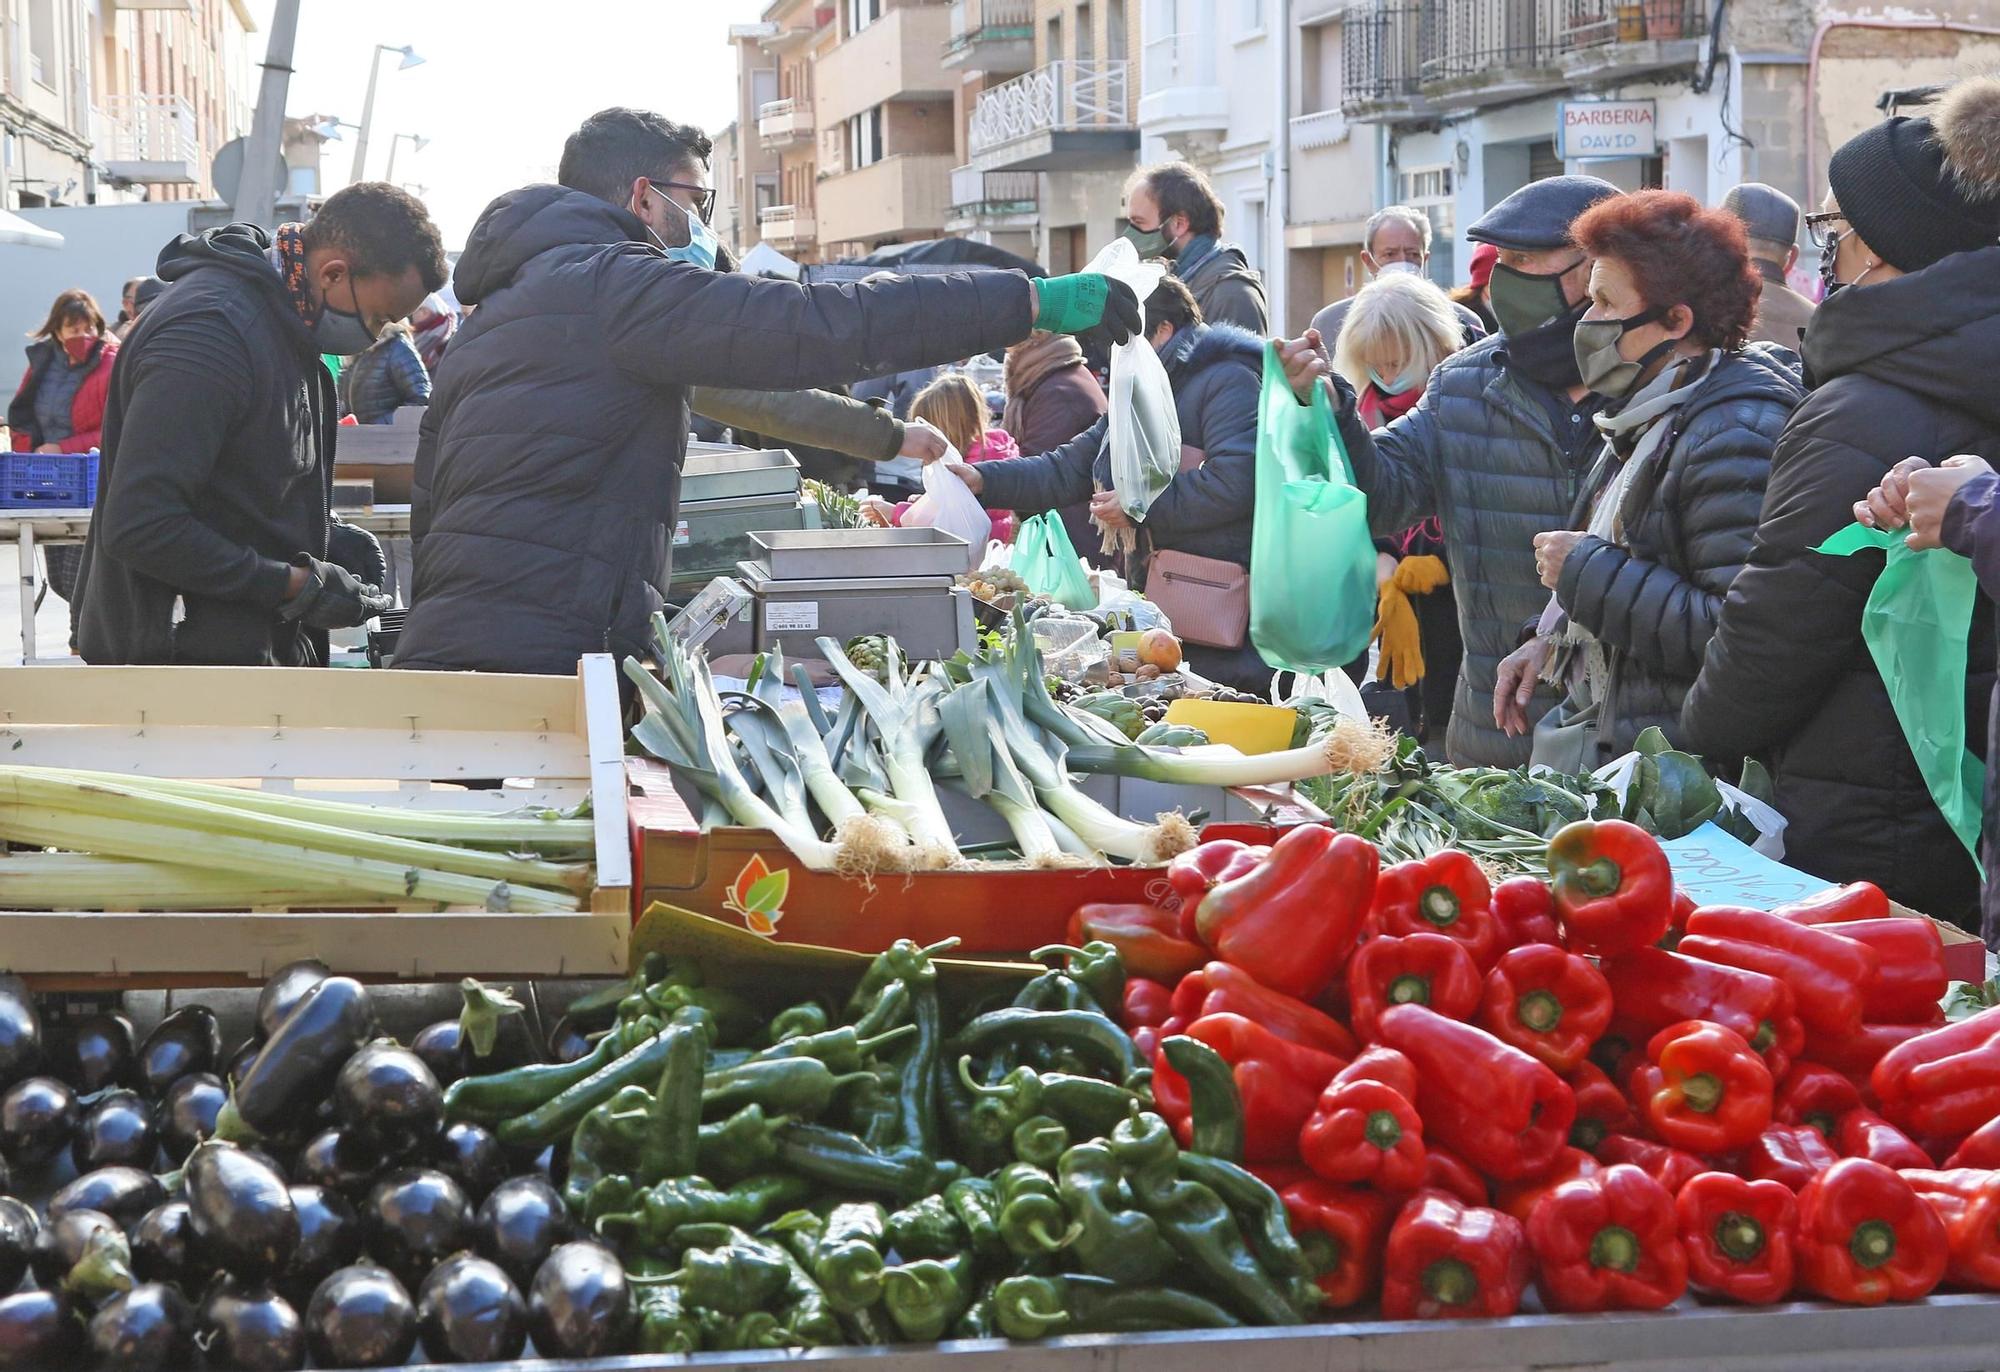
{"x": 52, "y": 481}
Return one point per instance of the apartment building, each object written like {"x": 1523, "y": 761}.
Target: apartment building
{"x": 1475, "y": 98}
{"x": 1331, "y": 165}
{"x": 44, "y": 104}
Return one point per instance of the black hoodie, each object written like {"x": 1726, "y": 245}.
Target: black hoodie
{"x": 1904, "y": 368}
{"x": 548, "y": 470}
{"x": 217, "y": 468}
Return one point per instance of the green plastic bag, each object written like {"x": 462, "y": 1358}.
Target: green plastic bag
{"x": 1044, "y": 558}
{"x": 1312, "y": 561}
{"x": 1916, "y": 624}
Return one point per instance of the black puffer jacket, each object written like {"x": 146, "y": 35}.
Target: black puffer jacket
{"x": 1689, "y": 516}
{"x": 548, "y": 469}
{"x": 1904, "y": 367}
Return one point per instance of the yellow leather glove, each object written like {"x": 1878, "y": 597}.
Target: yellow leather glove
{"x": 1402, "y": 660}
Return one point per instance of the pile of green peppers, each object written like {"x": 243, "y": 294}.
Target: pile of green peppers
{"x": 856, "y": 1173}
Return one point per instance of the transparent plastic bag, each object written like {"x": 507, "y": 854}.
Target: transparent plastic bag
{"x": 1144, "y": 437}
{"x": 1070, "y": 645}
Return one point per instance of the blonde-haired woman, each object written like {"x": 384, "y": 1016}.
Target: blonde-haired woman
{"x": 954, "y": 405}
{"x": 1399, "y": 328}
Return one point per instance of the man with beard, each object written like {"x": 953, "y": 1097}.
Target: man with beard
{"x": 1174, "y": 213}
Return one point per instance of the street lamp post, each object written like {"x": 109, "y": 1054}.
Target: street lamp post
{"x": 417, "y": 144}
{"x": 410, "y": 59}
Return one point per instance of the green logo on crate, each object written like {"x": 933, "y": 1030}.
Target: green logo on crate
{"x": 758, "y": 895}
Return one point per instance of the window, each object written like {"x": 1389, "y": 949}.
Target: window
{"x": 862, "y": 13}
{"x": 765, "y": 190}
{"x": 1086, "y": 41}
{"x": 1426, "y": 185}
{"x": 1249, "y": 16}
{"x": 1114, "y": 30}
{"x": 1052, "y": 41}
{"x": 1252, "y": 233}
{"x": 763, "y": 87}
{"x": 42, "y": 64}
{"x": 864, "y": 139}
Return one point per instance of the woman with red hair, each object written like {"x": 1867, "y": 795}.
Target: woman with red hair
{"x": 1668, "y": 514}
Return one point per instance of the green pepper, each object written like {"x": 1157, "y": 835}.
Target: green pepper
{"x": 892, "y": 1003}
{"x": 1216, "y": 1105}
{"x": 665, "y": 1323}
{"x": 925, "y": 1296}
{"x": 872, "y": 1109}
{"x": 743, "y": 1144}
{"x": 806, "y": 1018}
{"x": 927, "y": 1229}
{"x": 597, "y": 1007}
{"x": 558, "y": 1115}
{"x": 1087, "y": 1032}
{"x": 1097, "y": 967}
{"x": 605, "y": 1143}
{"x": 1037, "y": 1307}
{"x": 807, "y": 1320}
{"x": 1031, "y": 1216}
{"x": 1196, "y": 1222}
{"x": 1116, "y": 1240}
{"x": 895, "y": 963}
{"x": 844, "y": 1162}
{"x": 977, "y": 1321}
{"x": 500, "y": 1096}
{"x": 683, "y": 1201}
{"x": 673, "y": 1125}
{"x": 727, "y": 1271}
{"x": 1040, "y": 1141}
{"x": 975, "y": 1205}
{"x": 754, "y": 1332}
{"x": 918, "y": 1073}
{"x": 1261, "y": 1216}
{"x": 736, "y": 1019}
{"x": 798, "y": 1086}
{"x": 1089, "y": 1107}
{"x": 614, "y": 1195}
{"x": 846, "y": 1257}
{"x": 843, "y": 1049}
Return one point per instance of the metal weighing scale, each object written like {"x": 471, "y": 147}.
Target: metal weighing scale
{"x": 726, "y": 493}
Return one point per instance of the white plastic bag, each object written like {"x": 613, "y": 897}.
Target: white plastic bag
{"x": 1144, "y": 436}
{"x": 1332, "y": 686}
{"x": 947, "y": 504}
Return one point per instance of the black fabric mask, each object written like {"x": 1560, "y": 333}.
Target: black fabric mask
{"x": 1547, "y": 353}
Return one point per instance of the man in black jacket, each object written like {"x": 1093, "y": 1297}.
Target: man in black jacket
{"x": 209, "y": 540}
{"x": 548, "y": 467}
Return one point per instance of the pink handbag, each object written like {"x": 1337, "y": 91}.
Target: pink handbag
{"x": 1207, "y": 599}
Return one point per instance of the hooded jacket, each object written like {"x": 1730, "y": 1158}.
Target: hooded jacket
{"x": 1902, "y": 367}
{"x": 548, "y": 464}
{"x": 217, "y": 469}
{"x": 1226, "y": 288}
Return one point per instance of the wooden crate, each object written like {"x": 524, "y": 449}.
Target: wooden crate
{"x": 388, "y": 738}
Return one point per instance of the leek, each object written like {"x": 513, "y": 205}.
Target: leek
{"x": 988, "y": 770}
{"x": 1222, "y": 768}
{"x": 85, "y": 881}
{"x": 905, "y": 716}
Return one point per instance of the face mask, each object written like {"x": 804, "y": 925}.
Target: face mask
{"x": 79, "y": 348}
{"x": 699, "y": 250}
{"x": 1149, "y": 242}
{"x": 1394, "y": 385}
{"x": 1828, "y": 256}
{"x": 1396, "y": 269}
{"x": 1599, "y": 363}
{"x": 342, "y": 332}
{"x": 1523, "y": 300}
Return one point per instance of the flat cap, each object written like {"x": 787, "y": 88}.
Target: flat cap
{"x": 1538, "y": 215}
{"x": 1767, "y": 212}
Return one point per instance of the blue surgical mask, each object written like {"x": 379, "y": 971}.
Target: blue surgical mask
{"x": 1394, "y": 385}
{"x": 699, "y": 250}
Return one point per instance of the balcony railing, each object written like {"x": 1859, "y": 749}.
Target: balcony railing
{"x": 975, "y": 20}
{"x": 974, "y": 191}
{"x": 1060, "y": 96}
{"x": 148, "y": 137}
{"x": 1179, "y": 59}
{"x": 785, "y": 224}
{"x": 781, "y": 123}
{"x": 1381, "y": 52}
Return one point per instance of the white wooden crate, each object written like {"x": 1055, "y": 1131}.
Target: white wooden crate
{"x": 388, "y": 738}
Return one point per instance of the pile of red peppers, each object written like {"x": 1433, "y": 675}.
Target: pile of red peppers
{"x": 1583, "y": 1086}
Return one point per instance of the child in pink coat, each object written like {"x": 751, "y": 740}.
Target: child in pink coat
{"x": 954, "y": 406}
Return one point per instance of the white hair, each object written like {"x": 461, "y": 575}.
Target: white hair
{"x": 1399, "y": 214}
{"x": 1401, "y": 315}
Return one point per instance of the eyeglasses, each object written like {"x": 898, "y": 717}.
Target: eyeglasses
{"x": 1819, "y": 227}
{"x": 704, "y": 196}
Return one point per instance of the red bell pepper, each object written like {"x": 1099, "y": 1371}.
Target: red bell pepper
{"x": 1601, "y": 1108}
{"x": 1614, "y": 890}
{"x": 1446, "y": 893}
{"x": 1446, "y": 1171}
{"x": 1946, "y": 1081}
{"x": 1791, "y": 1154}
{"x": 1703, "y": 1089}
{"x": 1146, "y": 937}
{"x": 1548, "y": 1003}
{"x": 1525, "y": 910}
{"x": 1278, "y": 1082}
{"x": 1827, "y": 973}
{"x": 1856, "y": 1054}
{"x": 1838, "y": 905}
{"x": 1385, "y": 1065}
{"x": 1518, "y": 1198}
{"x": 1651, "y": 989}
{"x": 1866, "y": 1237}
{"x": 1363, "y": 1131}
{"x": 1278, "y": 1175}
{"x": 1147, "y": 1003}
{"x": 1293, "y": 920}
{"x": 1817, "y": 1096}
{"x": 1221, "y": 989}
{"x": 1909, "y": 978}
{"x": 1419, "y": 969}
{"x": 1864, "y": 1134}
{"x": 1967, "y": 1203}
{"x": 1204, "y": 867}
{"x": 1670, "y": 1167}
{"x": 1495, "y": 1106}
{"x": 1608, "y": 1242}
{"x": 1343, "y": 1229}
{"x": 1449, "y": 1260}
{"x": 1741, "y": 1237}
{"x": 1677, "y": 923}
{"x": 1980, "y": 1148}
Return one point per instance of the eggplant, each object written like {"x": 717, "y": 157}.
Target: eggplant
{"x": 442, "y": 1047}
{"x": 144, "y": 1329}
{"x": 387, "y": 1097}
{"x": 296, "y": 1067}
{"x": 37, "y": 1120}
{"x": 20, "y": 1032}
{"x": 163, "y": 1248}
{"x": 282, "y": 993}
{"x": 469, "y": 1311}
{"x": 115, "y": 1130}
{"x": 520, "y": 1224}
{"x": 187, "y": 1113}
{"x": 414, "y": 1218}
{"x": 242, "y": 1213}
{"x": 18, "y": 1227}
{"x": 337, "y": 1162}
{"x": 329, "y": 1239}
{"x": 239, "y": 1061}
{"x": 185, "y": 1042}
{"x": 39, "y": 1330}
{"x": 567, "y": 1042}
{"x": 60, "y": 1244}
{"x": 250, "y": 1328}
{"x": 580, "y": 1305}
{"x": 96, "y": 1052}
{"x": 470, "y": 1156}
{"x": 361, "y": 1317}
{"x": 124, "y": 1193}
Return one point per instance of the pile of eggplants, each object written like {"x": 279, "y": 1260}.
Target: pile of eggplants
{"x": 293, "y": 1201}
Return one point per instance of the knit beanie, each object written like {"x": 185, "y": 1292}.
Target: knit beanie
{"x": 1919, "y": 190}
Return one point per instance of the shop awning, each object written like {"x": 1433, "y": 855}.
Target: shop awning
{"x": 14, "y": 229}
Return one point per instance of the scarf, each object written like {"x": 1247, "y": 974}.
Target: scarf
{"x": 1029, "y": 363}
{"x": 288, "y": 257}
{"x": 1194, "y": 254}
{"x": 1377, "y": 407}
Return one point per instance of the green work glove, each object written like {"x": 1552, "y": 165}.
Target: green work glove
{"x": 1089, "y": 305}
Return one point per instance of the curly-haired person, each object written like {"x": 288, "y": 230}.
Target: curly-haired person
{"x": 1667, "y": 516}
